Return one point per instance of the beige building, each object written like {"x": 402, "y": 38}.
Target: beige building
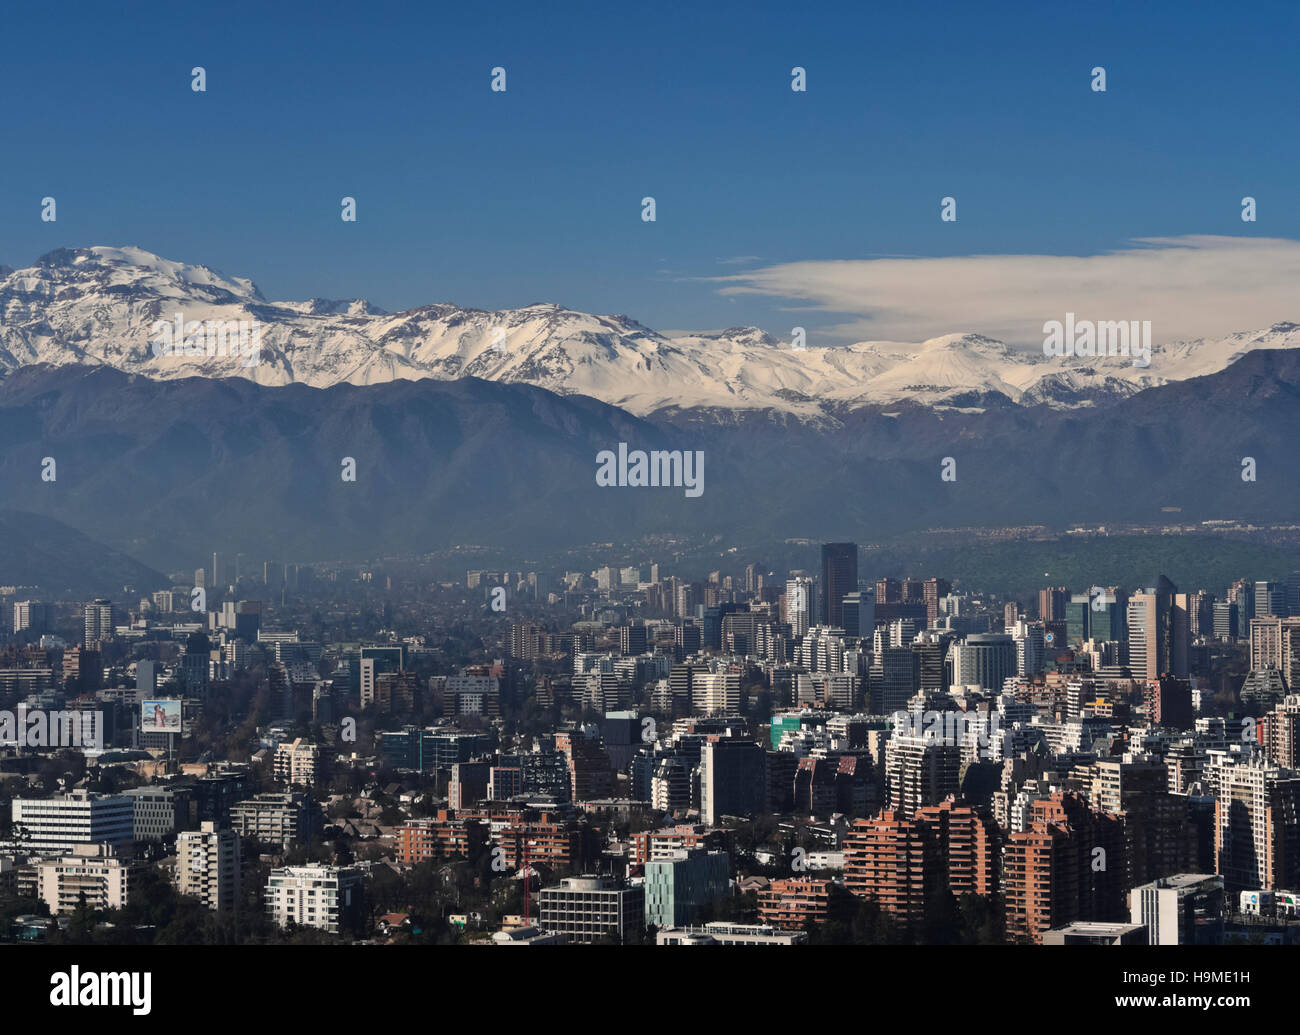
{"x": 208, "y": 866}
{"x": 93, "y": 870}
{"x": 1275, "y": 643}
{"x": 297, "y": 764}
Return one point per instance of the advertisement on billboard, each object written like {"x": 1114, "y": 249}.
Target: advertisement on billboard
{"x": 160, "y": 716}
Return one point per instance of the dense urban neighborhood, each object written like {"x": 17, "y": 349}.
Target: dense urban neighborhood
{"x": 271, "y": 753}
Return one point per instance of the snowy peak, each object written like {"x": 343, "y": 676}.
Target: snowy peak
{"x": 136, "y": 267}
{"x": 103, "y": 305}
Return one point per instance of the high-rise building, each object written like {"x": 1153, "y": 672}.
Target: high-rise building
{"x": 684, "y": 600}
{"x": 1293, "y": 593}
{"x": 839, "y": 579}
{"x": 677, "y": 888}
{"x": 794, "y": 903}
{"x": 1200, "y": 614}
{"x": 920, "y": 771}
{"x": 525, "y": 641}
{"x": 98, "y": 622}
{"x": 1158, "y": 839}
{"x": 891, "y": 861}
{"x": 1158, "y": 631}
{"x": 968, "y": 843}
{"x": 715, "y": 693}
{"x": 1052, "y": 604}
{"x": 590, "y": 772}
{"x": 1270, "y": 599}
{"x": 468, "y": 784}
{"x": 443, "y": 836}
{"x": 1278, "y": 732}
{"x": 31, "y": 616}
{"x": 1098, "y": 614}
{"x": 800, "y": 603}
{"x": 208, "y": 865}
{"x": 934, "y": 672}
{"x": 1168, "y": 702}
{"x": 894, "y": 677}
{"x": 248, "y": 620}
{"x": 899, "y": 863}
{"x": 732, "y": 778}
{"x": 1256, "y": 822}
{"x": 632, "y": 639}
{"x": 146, "y": 678}
{"x": 935, "y": 589}
{"x": 1263, "y": 688}
{"x": 984, "y": 659}
{"x": 670, "y": 785}
{"x": 858, "y": 611}
{"x": 1226, "y": 620}
{"x": 1242, "y": 593}
{"x": 1275, "y": 644}
{"x": 711, "y": 624}
{"x": 82, "y": 669}
{"x": 368, "y": 675}
{"x": 1065, "y": 865}
{"x": 1266, "y": 642}
{"x": 1028, "y": 638}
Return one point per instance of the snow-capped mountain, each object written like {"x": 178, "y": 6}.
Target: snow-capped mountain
{"x": 107, "y": 305}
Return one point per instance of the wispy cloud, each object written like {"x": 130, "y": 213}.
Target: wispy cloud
{"x": 1188, "y": 287}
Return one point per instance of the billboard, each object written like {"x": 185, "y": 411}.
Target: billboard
{"x": 160, "y": 716}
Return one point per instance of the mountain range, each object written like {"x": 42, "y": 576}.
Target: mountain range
{"x": 104, "y": 306}
{"x": 171, "y": 471}
{"x": 458, "y": 444}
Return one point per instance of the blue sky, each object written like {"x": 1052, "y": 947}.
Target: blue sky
{"x": 498, "y": 200}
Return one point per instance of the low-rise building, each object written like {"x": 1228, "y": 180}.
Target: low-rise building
{"x": 1092, "y": 932}
{"x": 444, "y": 837}
{"x": 93, "y": 872}
{"x": 724, "y": 933}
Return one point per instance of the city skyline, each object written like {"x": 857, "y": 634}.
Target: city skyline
{"x": 735, "y": 475}
{"x": 1165, "y": 645}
